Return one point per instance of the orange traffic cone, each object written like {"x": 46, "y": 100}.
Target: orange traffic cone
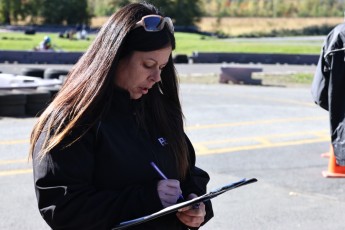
{"x": 334, "y": 170}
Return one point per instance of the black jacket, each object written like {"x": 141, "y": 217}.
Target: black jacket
{"x": 105, "y": 177}
{"x": 328, "y": 88}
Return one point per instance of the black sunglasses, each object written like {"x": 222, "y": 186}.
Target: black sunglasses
{"x": 154, "y": 23}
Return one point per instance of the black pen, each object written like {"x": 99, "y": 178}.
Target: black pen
{"x": 163, "y": 176}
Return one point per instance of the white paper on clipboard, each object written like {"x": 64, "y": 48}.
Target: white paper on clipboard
{"x": 214, "y": 193}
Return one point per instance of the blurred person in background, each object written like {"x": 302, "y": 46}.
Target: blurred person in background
{"x": 45, "y": 45}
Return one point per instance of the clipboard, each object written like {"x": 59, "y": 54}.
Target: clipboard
{"x": 174, "y": 208}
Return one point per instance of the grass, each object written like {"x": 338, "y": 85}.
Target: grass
{"x": 20, "y": 41}
{"x": 186, "y": 44}
{"x": 285, "y": 79}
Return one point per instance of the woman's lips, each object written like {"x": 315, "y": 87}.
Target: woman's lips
{"x": 144, "y": 90}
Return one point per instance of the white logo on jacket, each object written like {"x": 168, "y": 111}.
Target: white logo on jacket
{"x": 162, "y": 141}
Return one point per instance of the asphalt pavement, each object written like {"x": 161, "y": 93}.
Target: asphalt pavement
{"x": 274, "y": 134}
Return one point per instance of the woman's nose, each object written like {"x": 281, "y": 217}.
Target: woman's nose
{"x": 156, "y": 75}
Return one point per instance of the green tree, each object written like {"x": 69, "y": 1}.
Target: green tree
{"x": 32, "y": 9}
{"x": 17, "y": 10}
{"x": 277, "y": 8}
{"x": 65, "y": 11}
{"x": 52, "y": 11}
{"x": 11, "y": 11}
{"x": 120, "y": 3}
{"x": 183, "y": 12}
{"x": 5, "y": 14}
{"x": 102, "y": 7}
{"x": 77, "y": 12}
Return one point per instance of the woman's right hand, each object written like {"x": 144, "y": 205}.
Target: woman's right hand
{"x": 168, "y": 191}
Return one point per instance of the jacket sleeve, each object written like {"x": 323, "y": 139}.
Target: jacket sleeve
{"x": 67, "y": 198}
{"x": 197, "y": 182}
{"x": 319, "y": 89}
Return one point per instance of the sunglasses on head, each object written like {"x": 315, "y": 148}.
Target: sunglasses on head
{"x": 154, "y": 23}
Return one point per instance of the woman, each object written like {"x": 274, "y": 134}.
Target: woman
{"x": 118, "y": 112}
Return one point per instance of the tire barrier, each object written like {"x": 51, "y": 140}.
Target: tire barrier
{"x": 181, "y": 58}
{"x": 36, "y": 102}
{"x": 53, "y": 90}
{"x": 39, "y": 57}
{"x": 32, "y": 57}
{"x": 54, "y": 73}
{"x": 12, "y": 104}
{"x": 239, "y": 75}
{"x": 30, "y": 32}
{"x": 292, "y": 59}
{"x": 23, "y": 103}
{"x": 33, "y": 72}
{"x": 26, "y": 96}
{"x": 11, "y": 82}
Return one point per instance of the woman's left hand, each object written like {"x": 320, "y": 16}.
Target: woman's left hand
{"x": 192, "y": 216}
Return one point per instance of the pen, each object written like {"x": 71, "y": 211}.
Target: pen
{"x": 162, "y": 175}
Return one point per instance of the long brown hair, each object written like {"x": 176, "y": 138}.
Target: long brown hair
{"x": 90, "y": 82}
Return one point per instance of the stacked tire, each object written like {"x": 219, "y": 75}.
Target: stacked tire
{"x": 54, "y": 73}
{"x": 181, "y": 58}
{"x": 12, "y": 104}
{"x": 33, "y": 72}
{"x": 20, "y": 103}
{"x": 36, "y": 102}
{"x": 23, "y": 103}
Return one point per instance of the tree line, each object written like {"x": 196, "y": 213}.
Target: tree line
{"x": 184, "y": 12}
{"x": 278, "y": 8}
{"x": 44, "y": 11}
{"x": 71, "y": 12}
